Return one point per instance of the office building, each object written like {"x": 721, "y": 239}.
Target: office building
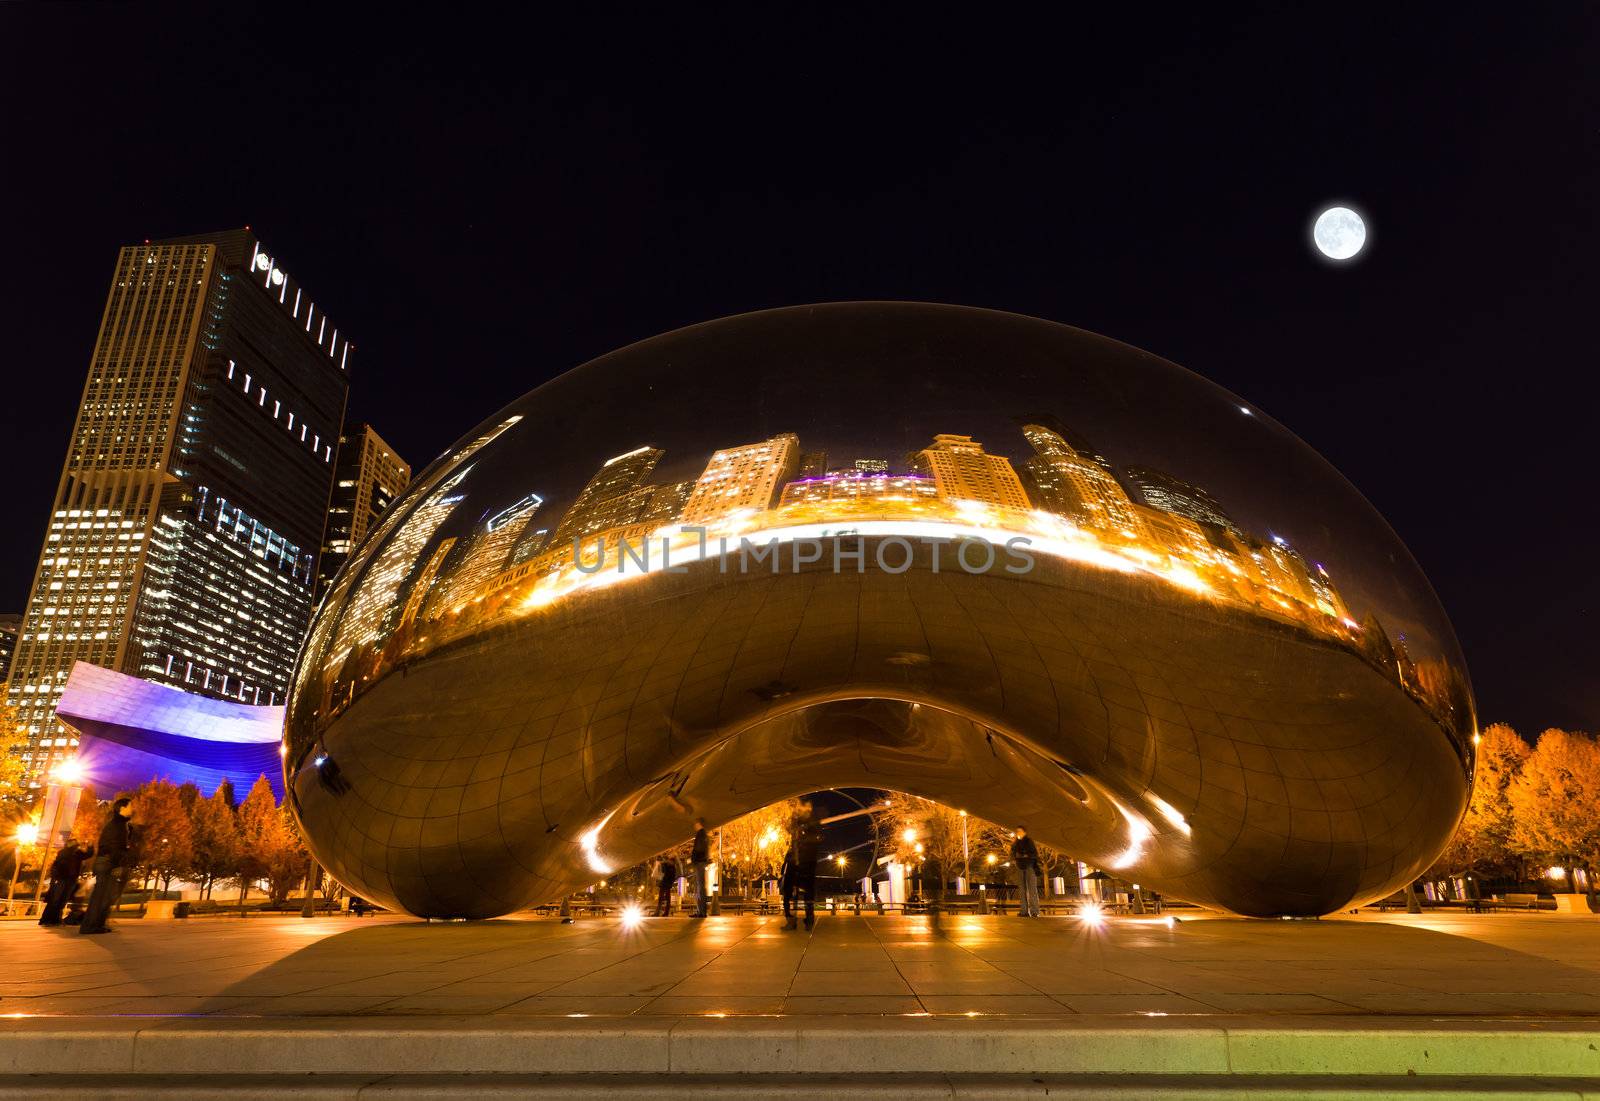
{"x": 367, "y": 476}
{"x": 182, "y": 544}
{"x": 963, "y": 471}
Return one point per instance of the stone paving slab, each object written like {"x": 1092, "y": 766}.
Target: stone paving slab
{"x": 1534, "y": 965}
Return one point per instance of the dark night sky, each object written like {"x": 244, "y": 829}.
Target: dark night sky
{"x": 483, "y": 204}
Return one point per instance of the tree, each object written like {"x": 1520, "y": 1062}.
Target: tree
{"x": 1555, "y": 803}
{"x": 165, "y": 832}
{"x": 286, "y": 859}
{"x": 1482, "y": 843}
{"x": 753, "y": 844}
{"x": 258, "y": 825}
{"x": 216, "y": 838}
{"x": 90, "y": 819}
{"x": 921, "y": 831}
{"x": 13, "y": 741}
{"x": 269, "y": 845}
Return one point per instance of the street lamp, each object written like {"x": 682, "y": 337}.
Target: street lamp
{"x": 27, "y": 833}
{"x": 966, "y": 854}
{"x": 60, "y": 800}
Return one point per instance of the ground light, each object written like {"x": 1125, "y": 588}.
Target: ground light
{"x": 632, "y": 916}
{"x": 1091, "y": 913}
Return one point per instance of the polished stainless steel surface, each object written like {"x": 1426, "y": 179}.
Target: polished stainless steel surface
{"x": 984, "y": 558}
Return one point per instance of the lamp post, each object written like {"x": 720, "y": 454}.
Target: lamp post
{"x": 27, "y": 833}
{"x": 966, "y": 855}
{"x": 64, "y": 781}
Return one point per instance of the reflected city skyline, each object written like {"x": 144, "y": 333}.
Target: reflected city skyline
{"x": 1066, "y": 499}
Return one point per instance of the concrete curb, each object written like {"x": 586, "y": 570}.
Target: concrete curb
{"x": 1521, "y": 1049}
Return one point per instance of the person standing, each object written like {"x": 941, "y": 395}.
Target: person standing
{"x": 807, "y": 843}
{"x": 666, "y": 876}
{"x": 700, "y": 859}
{"x": 787, "y": 882}
{"x": 65, "y": 871}
{"x": 114, "y": 854}
{"x": 1025, "y": 855}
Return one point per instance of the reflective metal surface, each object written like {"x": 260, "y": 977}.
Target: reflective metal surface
{"x": 988, "y": 559}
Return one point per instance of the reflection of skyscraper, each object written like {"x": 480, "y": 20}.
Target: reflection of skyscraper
{"x": 613, "y": 497}
{"x": 1161, "y": 490}
{"x": 872, "y": 466}
{"x": 367, "y": 476}
{"x": 813, "y": 464}
{"x": 371, "y": 609}
{"x": 1068, "y": 482}
{"x": 424, "y": 582}
{"x": 356, "y": 583}
{"x": 744, "y": 477}
{"x": 962, "y": 470}
{"x": 666, "y": 503}
{"x": 850, "y": 486}
{"x": 488, "y": 548}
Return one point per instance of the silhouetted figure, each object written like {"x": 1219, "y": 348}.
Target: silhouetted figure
{"x": 359, "y": 906}
{"x": 700, "y": 860}
{"x": 666, "y": 875}
{"x": 787, "y": 882}
{"x": 807, "y": 841}
{"x": 114, "y": 856}
{"x": 1025, "y": 855}
{"x": 65, "y": 870}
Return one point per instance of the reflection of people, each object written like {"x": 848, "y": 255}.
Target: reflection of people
{"x": 700, "y": 858}
{"x": 666, "y": 870}
{"x": 64, "y": 872}
{"x": 112, "y": 863}
{"x": 1025, "y": 855}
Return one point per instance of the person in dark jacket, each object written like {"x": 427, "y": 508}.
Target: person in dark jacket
{"x": 65, "y": 871}
{"x": 666, "y": 876}
{"x": 700, "y": 859}
{"x": 807, "y": 842}
{"x": 787, "y": 882}
{"x": 114, "y": 857}
{"x": 1025, "y": 857}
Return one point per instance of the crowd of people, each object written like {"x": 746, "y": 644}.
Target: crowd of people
{"x": 797, "y": 877}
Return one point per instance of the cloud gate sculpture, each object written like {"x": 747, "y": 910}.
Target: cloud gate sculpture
{"x": 988, "y": 559}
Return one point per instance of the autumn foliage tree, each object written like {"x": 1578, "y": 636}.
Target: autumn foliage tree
{"x": 1482, "y": 843}
{"x": 1555, "y": 803}
{"x": 753, "y": 844}
{"x": 216, "y": 838}
{"x": 165, "y": 838}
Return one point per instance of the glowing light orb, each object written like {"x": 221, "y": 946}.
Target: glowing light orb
{"x": 1339, "y": 233}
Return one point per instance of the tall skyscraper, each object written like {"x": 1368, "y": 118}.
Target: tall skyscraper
{"x": 368, "y": 474}
{"x": 962, "y": 470}
{"x": 182, "y": 545}
{"x": 613, "y": 497}
{"x": 487, "y": 550}
{"x": 10, "y": 627}
{"x": 746, "y": 477}
{"x": 1161, "y": 490}
{"x": 1076, "y": 485}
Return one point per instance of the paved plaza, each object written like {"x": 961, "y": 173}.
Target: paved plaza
{"x": 993, "y": 1006}
{"x": 1396, "y": 965}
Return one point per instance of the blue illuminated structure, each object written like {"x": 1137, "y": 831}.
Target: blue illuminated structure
{"x": 131, "y": 731}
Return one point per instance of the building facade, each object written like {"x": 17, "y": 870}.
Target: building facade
{"x": 963, "y": 471}
{"x": 367, "y": 476}
{"x": 182, "y": 545}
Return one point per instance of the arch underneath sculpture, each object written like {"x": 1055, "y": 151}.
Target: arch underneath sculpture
{"x": 1215, "y": 756}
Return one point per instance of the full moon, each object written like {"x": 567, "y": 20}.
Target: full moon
{"x": 1339, "y": 233}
